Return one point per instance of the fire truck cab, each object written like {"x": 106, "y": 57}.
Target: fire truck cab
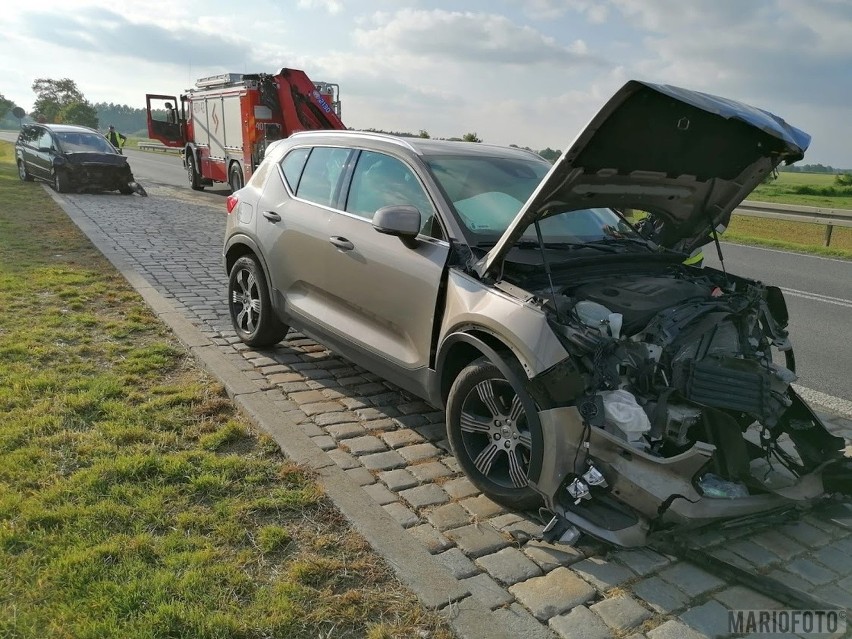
{"x": 224, "y": 124}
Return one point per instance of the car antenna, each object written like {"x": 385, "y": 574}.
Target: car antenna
{"x": 547, "y": 268}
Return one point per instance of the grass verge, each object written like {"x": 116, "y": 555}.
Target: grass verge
{"x": 807, "y": 189}
{"x": 134, "y": 501}
{"x": 789, "y": 236}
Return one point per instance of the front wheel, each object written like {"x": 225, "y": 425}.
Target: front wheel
{"x": 192, "y": 173}
{"x": 492, "y": 436}
{"x": 252, "y": 315}
{"x": 60, "y": 181}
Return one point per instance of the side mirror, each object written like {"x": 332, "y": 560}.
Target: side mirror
{"x": 45, "y": 149}
{"x": 401, "y": 220}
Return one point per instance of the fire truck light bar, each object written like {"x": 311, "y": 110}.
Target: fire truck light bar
{"x": 218, "y": 80}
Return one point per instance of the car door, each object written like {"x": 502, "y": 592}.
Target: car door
{"x": 292, "y": 227}
{"x": 38, "y": 153}
{"x": 382, "y": 295}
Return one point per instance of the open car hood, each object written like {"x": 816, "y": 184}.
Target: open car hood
{"x": 689, "y": 158}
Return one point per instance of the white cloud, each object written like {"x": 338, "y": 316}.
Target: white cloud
{"x": 596, "y": 11}
{"x": 332, "y": 6}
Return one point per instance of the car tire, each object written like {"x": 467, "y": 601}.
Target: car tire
{"x": 252, "y": 315}
{"x": 60, "y": 181}
{"x": 491, "y": 434}
{"x": 23, "y": 173}
{"x": 192, "y": 173}
{"x": 125, "y": 189}
{"x": 235, "y": 177}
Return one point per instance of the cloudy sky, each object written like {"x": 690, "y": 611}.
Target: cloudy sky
{"x": 528, "y": 72}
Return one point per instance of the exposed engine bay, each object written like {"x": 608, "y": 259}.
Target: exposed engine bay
{"x": 676, "y": 407}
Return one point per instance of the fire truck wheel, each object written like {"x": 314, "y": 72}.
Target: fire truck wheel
{"x": 235, "y": 177}
{"x": 192, "y": 174}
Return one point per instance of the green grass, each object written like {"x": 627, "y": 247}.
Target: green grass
{"x": 134, "y": 501}
{"x": 808, "y": 189}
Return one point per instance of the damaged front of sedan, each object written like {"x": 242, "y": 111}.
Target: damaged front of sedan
{"x": 629, "y": 392}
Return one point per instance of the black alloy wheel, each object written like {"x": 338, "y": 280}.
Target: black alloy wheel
{"x": 252, "y": 315}
{"x": 60, "y": 181}
{"x": 23, "y": 173}
{"x": 491, "y": 434}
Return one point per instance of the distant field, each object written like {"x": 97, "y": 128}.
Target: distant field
{"x": 808, "y": 189}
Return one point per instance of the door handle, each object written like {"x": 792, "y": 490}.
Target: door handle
{"x": 272, "y": 216}
{"x": 341, "y": 242}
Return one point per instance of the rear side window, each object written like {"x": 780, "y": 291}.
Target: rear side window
{"x": 321, "y": 173}
{"x": 292, "y": 166}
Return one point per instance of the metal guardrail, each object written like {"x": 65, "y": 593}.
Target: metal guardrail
{"x": 795, "y": 213}
{"x": 156, "y": 146}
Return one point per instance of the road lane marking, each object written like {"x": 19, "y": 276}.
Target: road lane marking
{"x": 830, "y": 402}
{"x": 839, "y": 301}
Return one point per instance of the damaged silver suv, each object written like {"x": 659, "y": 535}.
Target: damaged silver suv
{"x": 581, "y": 363}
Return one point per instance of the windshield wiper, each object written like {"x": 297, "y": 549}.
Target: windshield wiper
{"x": 565, "y": 245}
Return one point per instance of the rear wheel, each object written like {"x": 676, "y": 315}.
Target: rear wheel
{"x": 23, "y": 173}
{"x": 235, "y": 177}
{"x": 192, "y": 173}
{"x": 252, "y": 315}
{"x": 60, "y": 181}
{"x": 491, "y": 434}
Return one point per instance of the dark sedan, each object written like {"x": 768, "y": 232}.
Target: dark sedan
{"x": 72, "y": 159}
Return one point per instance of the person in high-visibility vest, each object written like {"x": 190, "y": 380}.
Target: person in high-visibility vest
{"x": 115, "y": 138}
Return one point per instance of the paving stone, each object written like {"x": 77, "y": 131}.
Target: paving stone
{"x": 430, "y": 538}
{"x": 448, "y": 516}
{"x": 364, "y": 445}
{"x": 293, "y": 387}
{"x": 460, "y": 487}
{"x": 457, "y": 563}
{"x": 690, "y": 579}
{"x": 311, "y": 430}
{"x": 580, "y": 623}
{"x": 553, "y": 594}
{"x": 807, "y": 535}
{"x": 731, "y": 558}
{"x": 509, "y": 566}
{"x": 343, "y": 459}
{"x": 846, "y": 584}
{"x": 342, "y": 417}
{"x": 673, "y": 629}
{"x": 325, "y": 442}
{"x": 622, "y": 612}
{"x": 779, "y": 544}
{"x": 792, "y": 580}
{"x": 419, "y": 452}
{"x": 433, "y": 432}
{"x": 429, "y": 471}
{"x": 452, "y": 463}
{"x": 742, "y": 598}
{"x": 398, "y": 479}
{"x": 361, "y": 476}
{"x": 351, "y": 403}
{"x": 517, "y": 622}
{"x": 380, "y": 494}
{"x": 481, "y": 507}
{"x": 753, "y": 553}
{"x": 405, "y": 517}
{"x": 411, "y": 421}
{"x": 642, "y": 561}
{"x": 371, "y": 414}
{"x": 345, "y": 430}
{"x": 306, "y": 397}
{"x": 295, "y": 416}
{"x": 321, "y": 407}
{"x": 488, "y": 591}
{"x": 522, "y": 531}
{"x": 602, "y": 574}
{"x": 809, "y": 570}
{"x": 284, "y": 378}
{"x": 401, "y": 437}
{"x": 477, "y": 539}
{"x": 549, "y": 556}
{"x": 383, "y": 461}
{"x": 710, "y": 618}
{"x": 660, "y": 595}
{"x": 501, "y": 521}
{"x": 834, "y": 594}
{"x": 426, "y": 495}
{"x": 835, "y": 559}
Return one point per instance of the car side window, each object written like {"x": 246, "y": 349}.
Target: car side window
{"x": 45, "y": 141}
{"x": 292, "y": 166}
{"x": 321, "y": 173}
{"x": 380, "y": 180}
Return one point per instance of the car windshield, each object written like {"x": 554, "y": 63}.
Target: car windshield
{"x": 487, "y": 193}
{"x": 82, "y": 142}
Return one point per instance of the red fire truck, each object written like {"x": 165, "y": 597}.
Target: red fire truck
{"x": 225, "y": 123}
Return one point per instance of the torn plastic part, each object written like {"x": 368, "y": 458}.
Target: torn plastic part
{"x": 579, "y": 490}
{"x": 594, "y": 477}
{"x": 625, "y": 417}
{"x": 714, "y": 486}
{"x": 560, "y": 531}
